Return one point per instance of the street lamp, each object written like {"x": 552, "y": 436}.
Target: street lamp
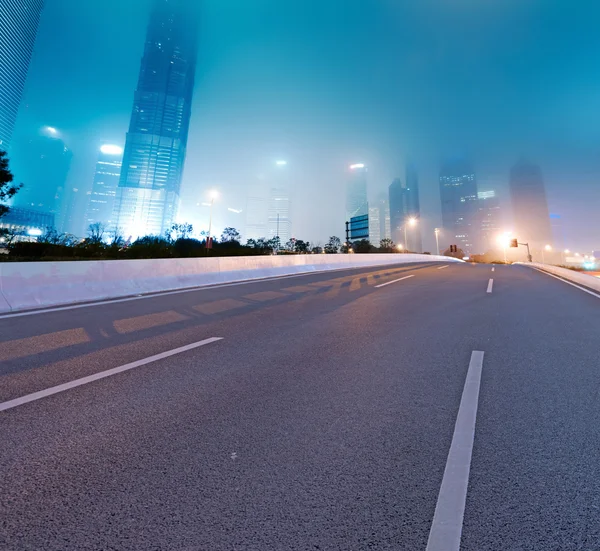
{"x": 213, "y": 194}
{"x": 565, "y": 252}
{"x": 437, "y": 240}
{"x": 411, "y": 222}
{"x": 400, "y": 247}
{"x": 547, "y": 248}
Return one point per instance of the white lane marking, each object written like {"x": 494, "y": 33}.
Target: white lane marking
{"x": 393, "y": 281}
{"x": 192, "y": 290}
{"x": 493, "y": 269}
{"x": 442, "y": 267}
{"x": 446, "y": 528}
{"x": 102, "y": 375}
{"x": 490, "y": 285}
{"x": 568, "y": 282}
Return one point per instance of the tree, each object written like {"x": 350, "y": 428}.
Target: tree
{"x": 180, "y": 231}
{"x": 274, "y": 244}
{"x": 302, "y": 247}
{"x": 7, "y": 188}
{"x": 290, "y": 245}
{"x": 229, "y": 235}
{"x": 333, "y": 245}
{"x": 387, "y": 245}
{"x": 363, "y": 246}
{"x": 9, "y": 235}
{"x": 96, "y": 233}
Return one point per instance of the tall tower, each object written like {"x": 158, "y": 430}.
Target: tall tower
{"x": 489, "y": 218}
{"x": 356, "y": 192}
{"x": 413, "y": 208}
{"x": 458, "y": 193}
{"x": 279, "y": 221}
{"x": 101, "y": 200}
{"x": 530, "y": 206}
{"x": 148, "y": 194}
{"x": 18, "y": 29}
{"x": 42, "y": 164}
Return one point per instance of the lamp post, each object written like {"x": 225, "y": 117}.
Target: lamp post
{"x": 437, "y": 240}
{"x": 546, "y": 248}
{"x": 213, "y": 195}
{"x": 564, "y": 258}
{"x": 411, "y": 222}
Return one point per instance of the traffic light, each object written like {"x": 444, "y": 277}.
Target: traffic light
{"x": 453, "y": 249}
{"x": 514, "y": 243}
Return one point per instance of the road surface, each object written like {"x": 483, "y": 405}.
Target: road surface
{"x": 404, "y": 408}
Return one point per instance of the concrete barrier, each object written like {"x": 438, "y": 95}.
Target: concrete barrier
{"x": 580, "y": 278}
{"x": 29, "y": 285}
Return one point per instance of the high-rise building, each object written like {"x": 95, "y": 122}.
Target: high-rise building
{"x": 489, "y": 219}
{"x": 18, "y": 28}
{"x": 148, "y": 194}
{"x": 279, "y": 216}
{"x": 413, "y": 208}
{"x": 458, "y": 193}
{"x": 356, "y": 192}
{"x": 375, "y": 236}
{"x": 383, "y": 203}
{"x": 405, "y": 211}
{"x": 42, "y": 164}
{"x": 101, "y": 199}
{"x": 257, "y": 208}
{"x": 530, "y": 206}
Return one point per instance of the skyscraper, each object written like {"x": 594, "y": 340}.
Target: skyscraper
{"x": 18, "y": 28}
{"x": 42, "y": 164}
{"x": 530, "y": 207}
{"x": 101, "y": 199}
{"x": 405, "y": 211}
{"x": 257, "y": 209}
{"x": 383, "y": 203}
{"x": 413, "y": 208}
{"x": 489, "y": 218}
{"x": 155, "y": 149}
{"x": 356, "y": 192}
{"x": 279, "y": 221}
{"x": 375, "y": 236}
{"x": 458, "y": 193}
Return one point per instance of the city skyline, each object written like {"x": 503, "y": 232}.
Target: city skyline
{"x": 248, "y": 127}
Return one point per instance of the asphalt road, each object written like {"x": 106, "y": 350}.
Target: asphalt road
{"x": 324, "y": 418}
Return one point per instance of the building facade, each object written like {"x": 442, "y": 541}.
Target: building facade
{"x": 375, "y": 225}
{"x": 42, "y": 164}
{"x": 458, "y": 193}
{"x": 19, "y": 21}
{"x": 155, "y": 148}
{"x": 529, "y": 203}
{"x": 405, "y": 213}
{"x": 413, "y": 208}
{"x": 279, "y": 213}
{"x": 489, "y": 219}
{"x": 101, "y": 199}
{"x": 356, "y": 191}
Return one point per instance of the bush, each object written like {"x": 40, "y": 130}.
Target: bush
{"x": 150, "y": 246}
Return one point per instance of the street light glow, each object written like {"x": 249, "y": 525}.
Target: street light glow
{"x": 281, "y": 163}
{"x": 412, "y": 221}
{"x": 548, "y": 248}
{"x": 213, "y": 194}
{"x": 567, "y": 251}
{"x": 400, "y": 247}
{"x": 51, "y": 130}
{"x": 109, "y": 149}
{"x": 358, "y": 165}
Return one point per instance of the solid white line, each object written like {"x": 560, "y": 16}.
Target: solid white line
{"x": 446, "y": 528}
{"x": 102, "y": 375}
{"x": 490, "y": 285}
{"x": 191, "y": 290}
{"x": 442, "y": 267}
{"x": 393, "y": 281}
{"x": 568, "y": 282}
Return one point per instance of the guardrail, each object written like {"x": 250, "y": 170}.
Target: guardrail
{"x": 571, "y": 275}
{"x": 30, "y": 285}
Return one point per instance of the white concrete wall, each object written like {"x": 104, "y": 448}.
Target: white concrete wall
{"x": 27, "y": 285}
{"x": 581, "y": 278}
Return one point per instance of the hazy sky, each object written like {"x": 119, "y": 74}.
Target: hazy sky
{"x": 330, "y": 82}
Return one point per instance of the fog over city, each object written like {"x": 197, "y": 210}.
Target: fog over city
{"x": 327, "y": 84}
